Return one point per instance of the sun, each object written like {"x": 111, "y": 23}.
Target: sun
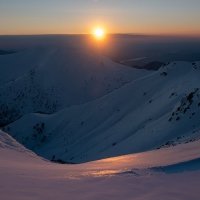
{"x": 99, "y": 33}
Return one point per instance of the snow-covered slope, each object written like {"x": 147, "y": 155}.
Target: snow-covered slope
{"x": 161, "y": 108}
{"x": 25, "y": 176}
{"x": 7, "y": 142}
{"x": 47, "y": 78}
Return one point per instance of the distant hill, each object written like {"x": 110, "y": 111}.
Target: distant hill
{"x": 3, "y": 52}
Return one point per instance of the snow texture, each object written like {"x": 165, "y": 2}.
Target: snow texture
{"x": 26, "y": 176}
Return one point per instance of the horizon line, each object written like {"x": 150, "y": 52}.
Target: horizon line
{"x": 86, "y": 34}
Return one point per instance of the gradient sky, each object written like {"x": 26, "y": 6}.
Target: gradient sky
{"x": 117, "y": 16}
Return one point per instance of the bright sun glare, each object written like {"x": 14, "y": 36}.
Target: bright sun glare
{"x": 99, "y": 33}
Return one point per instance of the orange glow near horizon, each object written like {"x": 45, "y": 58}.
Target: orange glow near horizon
{"x": 101, "y": 29}
{"x": 116, "y": 17}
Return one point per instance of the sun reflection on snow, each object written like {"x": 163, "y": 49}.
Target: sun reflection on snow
{"x": 101, "y": 173}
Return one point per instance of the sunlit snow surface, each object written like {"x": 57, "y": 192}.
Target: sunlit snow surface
{"x": 26, "y": 176}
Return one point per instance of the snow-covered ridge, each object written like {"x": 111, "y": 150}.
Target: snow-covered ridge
{"x": 47, "y": 79}
{"x": 152, "y": 111}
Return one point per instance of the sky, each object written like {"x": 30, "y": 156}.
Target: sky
{"x": 168, "y": 17}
